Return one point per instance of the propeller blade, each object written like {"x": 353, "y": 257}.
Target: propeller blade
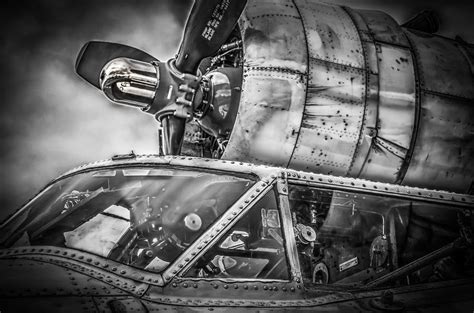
{"x": 94, "y": 55}
{"x": 173, "y": 134}
{"x": 208, "y": 26}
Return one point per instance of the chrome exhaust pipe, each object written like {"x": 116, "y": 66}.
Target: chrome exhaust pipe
{"x": 130, "y": 82}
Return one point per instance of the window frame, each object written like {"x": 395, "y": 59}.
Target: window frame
{"x": 331, "y": 186}
{"x": 217, "y": 233}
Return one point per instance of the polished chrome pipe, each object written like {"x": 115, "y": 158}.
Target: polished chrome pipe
{"x": 130, "y": 82}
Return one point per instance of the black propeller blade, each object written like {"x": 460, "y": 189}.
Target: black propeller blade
{"x": 95, "y": 54}
{"x": 208, "y": 26}
{"x": 173, "y": 134}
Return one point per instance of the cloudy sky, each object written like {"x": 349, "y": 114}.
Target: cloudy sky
{"x": 51, "y": 120}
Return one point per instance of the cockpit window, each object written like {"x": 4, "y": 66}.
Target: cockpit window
{"x": 253, "y": 249}
{"x": 144, "y": 217}
{"x": 373, "y": 240}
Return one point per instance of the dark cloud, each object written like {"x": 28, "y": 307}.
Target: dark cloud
{"x": 51, "y": 120}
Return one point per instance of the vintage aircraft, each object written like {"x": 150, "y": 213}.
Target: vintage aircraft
{"x": 184, "y": 234}
{"x": 300, "y": 85}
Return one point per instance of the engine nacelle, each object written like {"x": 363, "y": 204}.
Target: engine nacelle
{"x": 348, "y": 92}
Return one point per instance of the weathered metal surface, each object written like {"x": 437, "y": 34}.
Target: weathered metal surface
{"x": 445, "y": 144}
{"x": 330, "y": 33}
{"x": 395, "y": 117}
{"x": 335, "y": 95}
{"x": 383, "y": 28}
{"x": 361, "y": 86}
{"x": 274, "y": 84}
{"x": 369, "y": 123}
{"x": 443, "y": 66}
{"x": 104, "y": 272}
{"x": 332, "y": 119}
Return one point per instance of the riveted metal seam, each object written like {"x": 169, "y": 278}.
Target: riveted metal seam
{"x": 417, "y": 118}
{"x": 307, "y": 83}
{"x": 290, "y": 243}
{"x": 364, "y": 118}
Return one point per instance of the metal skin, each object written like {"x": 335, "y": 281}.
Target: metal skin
{"x": 347, "y": 92}
{"x": 55, "y": 279}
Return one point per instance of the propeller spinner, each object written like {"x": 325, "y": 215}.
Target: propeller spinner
{"x": 169, "y": 90}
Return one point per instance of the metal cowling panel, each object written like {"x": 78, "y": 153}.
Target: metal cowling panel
{"x": 396, "y": 114}
{"x": 443, "y": 66}
{"x": 442, "y": 156}
{"x": 390, "y": 109}
{"x": 335, "y": 98}
{"x": 331, "y": 120}
{"x": 275, "y": 68}
{"x": 383, "y": 28}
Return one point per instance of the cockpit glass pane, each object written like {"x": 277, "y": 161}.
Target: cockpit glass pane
{"x": 351, "y": 238}
{"x": 144, "y": 217}
{"x": 254, "y": 248}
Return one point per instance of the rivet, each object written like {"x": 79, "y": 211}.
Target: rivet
{"x": 195, "y": 285}
{"x": 255, "y": 287}
{"x": 123, "y": 272}
{"x": 114, "y": 269}
{"x": 185, "y": 285}
{"x": 275, "y": 288}
{"x": 187, "y": 259}
{"x": 246, "y": 287}
{"x": 298, "y": 286}
{"x": 265, "y": 287}
{"x": 226, "y": 286}
{"x": 215, "y": 286}
{"x": 174, "y": 285}
{"x": 236, "y": 286}
{"x": 292, "y": 288}
{"x": 89, "y": 260}
{"x": 80, "y": 258}
{"x": 298, "y": 280}
{"x": 180, "y": 265}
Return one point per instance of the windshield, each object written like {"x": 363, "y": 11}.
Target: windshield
{"x": 144, "y": 217}
{"x": 358, "y": 239}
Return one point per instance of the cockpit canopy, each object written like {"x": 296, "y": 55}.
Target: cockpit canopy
{"x": 141, "y": 216}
